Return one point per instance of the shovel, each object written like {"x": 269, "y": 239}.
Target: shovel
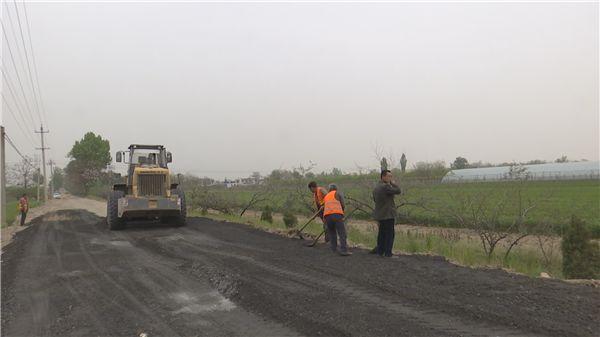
{"x": 314, "y": 242}
{"x": 299, "y": 231}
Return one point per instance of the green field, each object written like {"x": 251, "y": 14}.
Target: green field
{"x": 555, "y": 201}
{"x": 11, "y": 210}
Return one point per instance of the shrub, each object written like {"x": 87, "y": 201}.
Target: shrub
{"x": 289, "y": 219}
{"x": 267, "y": 214}
{"x": 581, "y": 256}
{"x": 205, "y": 199}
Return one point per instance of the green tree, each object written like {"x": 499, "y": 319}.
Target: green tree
{"x": 91, "y": 150}
{"x": 289, "y": 219}
{"x": 581, "y": 256}
{"x": 336, "y": 172}
{"x": 89, "y": 156}
{"x": 383, "y": 164}
{"x": 436, "y": 169}
{"x": 460, "y": 163}
{"x": 562, "y": 159}
{"x": 58, "y": 178}
{"x": 267, "y": 214}
{"x": 403, "y": 162}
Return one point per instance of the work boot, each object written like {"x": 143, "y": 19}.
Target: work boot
{"x": 346, "y": 253}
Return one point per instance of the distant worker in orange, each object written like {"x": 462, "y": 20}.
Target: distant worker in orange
{"x": 23, "y": 206}
{"x": 333, "y": 211}
{"x": 318, "y": 194}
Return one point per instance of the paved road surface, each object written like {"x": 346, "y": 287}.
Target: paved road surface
{"x": 67, "y": 275}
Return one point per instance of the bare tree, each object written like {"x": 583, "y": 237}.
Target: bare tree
{"x": 303, "y": 170}
{"x": 299, "y": 194}
{"x": 544, "y": 233}
{"x": 390, "y": 159}
{"x": 259, "y": 196}
{"x": 518, "y": 224}
{"x": 517, "y": 171}
{"x": 495, "y": 217}
{"x": 22, "y": 172}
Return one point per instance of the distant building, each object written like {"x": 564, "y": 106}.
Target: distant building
{"x": 551, "y": 171}
{"x": 242, "y": 182}
{"x": 231, "y": 183}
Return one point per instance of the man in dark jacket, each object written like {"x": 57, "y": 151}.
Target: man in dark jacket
{"x": 385, "y": 212}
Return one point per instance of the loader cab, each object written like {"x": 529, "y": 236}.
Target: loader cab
{"x": 144, "y": 156}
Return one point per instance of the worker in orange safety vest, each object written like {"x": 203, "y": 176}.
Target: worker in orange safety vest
{"x": 333, "y": 212}
{"x": 318, "y": 195}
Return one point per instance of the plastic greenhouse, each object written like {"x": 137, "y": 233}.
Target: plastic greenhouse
{"x": 552, "y": 171}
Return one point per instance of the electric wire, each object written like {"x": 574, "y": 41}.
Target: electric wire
{"x": 35, "y": 100}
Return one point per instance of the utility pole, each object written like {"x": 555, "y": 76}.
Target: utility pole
{"x": 38, "y": 184}
{"x": 37, "y": 169}
{"x": 2, "y": 178}
{"x": 51, "y": 163}
{"x": 42, "y": 132}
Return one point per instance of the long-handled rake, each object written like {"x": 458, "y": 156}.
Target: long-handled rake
{"x": 314, "y": 242}
{"x": 299, "y": 231}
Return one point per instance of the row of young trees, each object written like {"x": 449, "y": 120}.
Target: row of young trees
{"x": 500, "y": 216}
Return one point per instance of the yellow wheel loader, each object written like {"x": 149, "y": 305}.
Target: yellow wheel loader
{"x": 148, "y": 193}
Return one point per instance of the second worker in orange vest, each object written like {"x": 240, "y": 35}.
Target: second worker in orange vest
{"x": 318, "y": 194}
{"x": 333, "y": 212}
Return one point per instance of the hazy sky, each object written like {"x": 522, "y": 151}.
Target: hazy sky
{"x": 237, "y": 87}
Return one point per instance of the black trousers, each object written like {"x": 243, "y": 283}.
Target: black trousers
{"x": 336, "y": 228}
{"x": 23, "y": 216}
{"x": 385, "y": 237}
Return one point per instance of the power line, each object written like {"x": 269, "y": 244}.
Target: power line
{"x": 12, "y": 30}
{"x": 28, "y": 135}
{"x": 10, "y": 142}
{"x": 28, "y": 66}
{"x": 37, "y": 77}
{"x": 17, "y": 72}
{"x": 10, "y": 89}
{"x": 14, "y": 36}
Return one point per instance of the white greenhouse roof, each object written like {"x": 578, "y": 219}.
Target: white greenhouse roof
{"x": 574, "y": 170}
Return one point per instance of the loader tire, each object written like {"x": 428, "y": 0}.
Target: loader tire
{"x": 112, "y": 211}
{"x": 179, "y": 220}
